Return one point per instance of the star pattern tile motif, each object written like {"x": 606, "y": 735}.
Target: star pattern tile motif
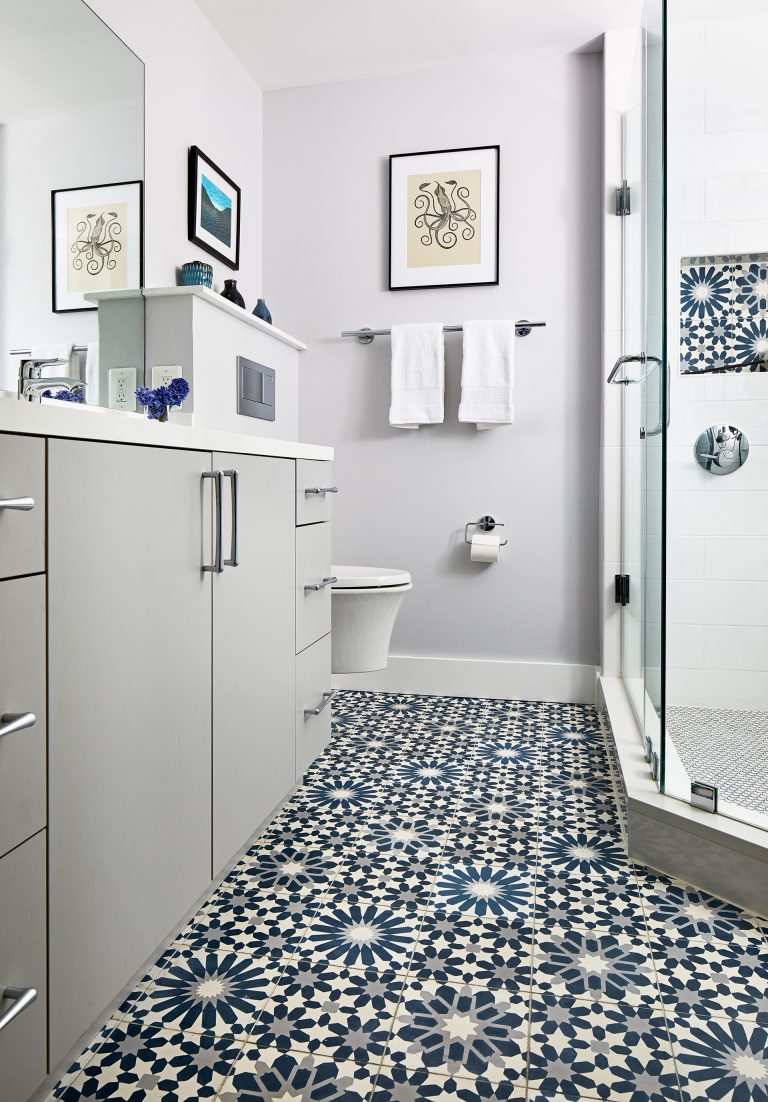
{"x": 445, "y": 910}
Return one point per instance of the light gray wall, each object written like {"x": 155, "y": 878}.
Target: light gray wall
{"x": 405, "y": 496}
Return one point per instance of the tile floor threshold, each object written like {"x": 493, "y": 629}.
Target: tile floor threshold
{"x": 445, "y": 909}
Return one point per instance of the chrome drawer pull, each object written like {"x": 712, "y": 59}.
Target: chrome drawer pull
{"x": 16, "y": 721}
{"x": 313, "y": 587}
{"x": 321, "y": 491}
{"x": 23, "y": 503}
{"x": 22, "y": 997}
{"x": 217, "y": 566}
{"x": 327, "y": 698}
{"x": 234, "y": 478}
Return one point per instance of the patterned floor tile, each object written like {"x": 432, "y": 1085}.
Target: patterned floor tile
{"x": 460, "y": 1030}
{"x": 66, "y": 1088}
{"x": 485, "y": 890}
{"x": 399, "y": 836}
{"x": 584, "y": 1050}
{"x": 583, "y": 855}
{"x": 607, "y": 905}
{"x": 372, "y": 879}
{"x": 594, "y": 965}
{"x": 456, "y": 948}
{"x": 396, "y": 1084}
{"x": 491, "y": 844}
{"x": 140, "y": 1063}
{"x": 284, "y": 869}
{"x": 309, "y": 831}
{"x": 673, "y": 910}
{"x": 719, "y": 1059}
{"x": 484, "y": 806}
{"x": 713, "y": 980}
{"x": 250, "y": 924}
{"x": 339, "y": 794}
{"x": 361, "y": 936}
{"x": 333, "y": 1012}
{"x": 261, "y": 1075}
{"x": 200, "y": 992}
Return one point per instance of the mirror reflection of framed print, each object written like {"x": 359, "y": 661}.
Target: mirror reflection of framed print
{"x": 97, "y": 242}
{"x": 213, "y": 209}
{"x": 444, "y": 218}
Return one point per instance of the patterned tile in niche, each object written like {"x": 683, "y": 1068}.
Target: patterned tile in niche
{"x": 361, "y": 936}
{"x": 594, "y": 965}
{"x": 672, "y": 910}
{"x": 721, "y": 980}
{"x": 594, "y": 1050}
{"x": 721, "y": 1059}
{"x": 263, "y": 1075}
{"x": 370, "y": 878}
{"x": 200, "y": 992}
{"x": 337, "y": 1013}
{"x": 397, "y": 1084}
{"x": 139, "y": 1063}
{"x": 460, "y": 1030}
{"x": 456, "y": 948}
{"x": 723, "y": 304}
{"x": 485, "y": 890}
{"x": 250, "y": 924}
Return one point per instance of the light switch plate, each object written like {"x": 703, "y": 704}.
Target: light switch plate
{"x": 161, "y": 376}
{"x": 122, "y": 388}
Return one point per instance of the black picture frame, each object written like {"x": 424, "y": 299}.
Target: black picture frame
{"x": 492, "y": 282}
{"x": 56, "y": 258}
{"x": 196, "y": 158}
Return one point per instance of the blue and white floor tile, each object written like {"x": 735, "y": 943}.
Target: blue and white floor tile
{"x": 444, "y": 909}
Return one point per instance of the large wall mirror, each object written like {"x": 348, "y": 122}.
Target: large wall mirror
{"x": 71, "y": 201}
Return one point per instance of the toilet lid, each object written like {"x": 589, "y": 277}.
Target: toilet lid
{"x": 368, "y": 577}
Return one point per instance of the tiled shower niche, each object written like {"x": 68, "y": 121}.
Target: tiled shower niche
{"x": 723, "y": 312}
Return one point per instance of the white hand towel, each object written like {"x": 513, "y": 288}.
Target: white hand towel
{"x": 418, "y": 375}
{"x": 59, "y": 352}
{"x": 92, "y": 394}
{"x": 487, "y": 373}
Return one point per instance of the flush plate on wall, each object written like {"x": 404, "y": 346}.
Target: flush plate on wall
{"x": 255, "y": 389}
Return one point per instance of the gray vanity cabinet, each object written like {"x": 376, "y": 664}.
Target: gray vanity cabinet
{"x": 253, "y": 650}
{"x": 129, "y": 617}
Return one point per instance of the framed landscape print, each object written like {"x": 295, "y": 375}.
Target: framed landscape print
{"x": 444, "y": 218}
{"x": 98, "y": 242}
{"x": 213, "y": 209}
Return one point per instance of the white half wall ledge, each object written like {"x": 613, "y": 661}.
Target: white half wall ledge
{"x": 494, "y": 679}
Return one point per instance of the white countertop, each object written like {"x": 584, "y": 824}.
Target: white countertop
{"x": 91, "y": 423}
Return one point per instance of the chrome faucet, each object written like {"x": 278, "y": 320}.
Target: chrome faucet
{"x": 32, "y": 384}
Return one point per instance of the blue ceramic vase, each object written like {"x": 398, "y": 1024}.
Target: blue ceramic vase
{"x": 231, "y": 293}
{"x": 261, "y": 310}
{"x": 196, "y": 274}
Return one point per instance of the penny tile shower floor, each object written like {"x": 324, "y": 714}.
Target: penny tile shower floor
{"x": 444, "y": 910}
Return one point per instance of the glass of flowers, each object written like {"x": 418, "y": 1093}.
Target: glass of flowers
{"x": 159, "y": 401}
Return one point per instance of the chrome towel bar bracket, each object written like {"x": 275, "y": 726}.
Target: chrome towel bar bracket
{"x": 523, "y": 328}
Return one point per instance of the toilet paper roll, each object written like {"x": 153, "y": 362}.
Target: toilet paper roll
{"x": 485, "y": 547}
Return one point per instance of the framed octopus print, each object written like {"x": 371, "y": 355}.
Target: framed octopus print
{"x": 98, "y": 242}
{"x": 444, "y": 218}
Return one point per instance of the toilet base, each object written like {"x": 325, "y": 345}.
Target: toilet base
{"x": 362, "y": 622}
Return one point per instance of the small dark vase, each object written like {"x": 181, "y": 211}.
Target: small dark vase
{"x": 261, "y": 310}
{"x": 231, "y": 293}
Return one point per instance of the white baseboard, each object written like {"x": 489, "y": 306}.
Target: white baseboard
{"x": 500, "y": 680}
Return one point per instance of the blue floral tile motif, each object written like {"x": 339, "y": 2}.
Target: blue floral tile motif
{"x": 723, "y": 312}
{"x": 713, "y": 980}
{"x": 430, "y": 774}
{"x": 361, "y": 936}
{"x": 407, "y": 836}
{"x": 484, "y": 890}
{"x": 398, "y": 1084}
{"x": 507, "y": 754}
{"x": 244, "y": 922}
{"x": 285, "y": 869}
{"x": 217, "y": 992}
{"x": 486, "y": 952}
{"x": 373, "y": 878}
{"x": 604, "y": 966}
{"x": 264, "y": 1075}
{"x": 721, "y": 1060}
{"x": 584, "y": 855}
{"x": 673, "y": 910}
{"x": 461, "y": 1031}
{"x": 342, "y": 793}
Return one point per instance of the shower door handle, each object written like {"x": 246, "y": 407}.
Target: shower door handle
{"x": 667, "y": 400}
{"x": 638, "y": 359}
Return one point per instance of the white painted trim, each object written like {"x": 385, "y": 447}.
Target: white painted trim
{"x": 229, "y": 308}
{"x": 500, "y": 680}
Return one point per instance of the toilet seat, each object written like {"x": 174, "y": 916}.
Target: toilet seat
{"x": 369, "y": 577}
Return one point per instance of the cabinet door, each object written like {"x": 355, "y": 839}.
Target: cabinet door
{"x": 129, "y": 714}
{"x": 253, "y": 652}
{"x": 313, "y": 703}
{"x": 22, "y": 966}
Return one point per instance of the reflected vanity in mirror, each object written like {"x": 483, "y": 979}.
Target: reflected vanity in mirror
{"x": 71, "y": 203}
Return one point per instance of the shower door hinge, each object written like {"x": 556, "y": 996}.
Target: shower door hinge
{"x": 622, "y": 589}
{"x": 704, "y": 796}
{"x": 623, "y": 200}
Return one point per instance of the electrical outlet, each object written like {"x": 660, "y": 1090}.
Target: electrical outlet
{"x": 161, "y": 376}
{"x": 122, "y": 388}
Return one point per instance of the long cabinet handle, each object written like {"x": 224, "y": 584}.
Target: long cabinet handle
{"x": 22, "y": 503}
{"x": 313, "y": 587}
{"x": 21, "y": 998}
{"x": 217, "y": 566}
{"x": 234, "y": 479}
{"x": 321, "y": 491}
{"x": 16, "y": 721}
{"x": 327, "y": 698}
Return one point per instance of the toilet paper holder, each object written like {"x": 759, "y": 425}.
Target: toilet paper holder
{"x": 485, "y": 524}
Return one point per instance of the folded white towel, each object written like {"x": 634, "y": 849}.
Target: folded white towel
{"x": 92, "y": 393}
{"x": 418, "y": 375}
{"x": 487, "y": 374}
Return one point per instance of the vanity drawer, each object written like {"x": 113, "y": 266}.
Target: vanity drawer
{"x": 313, "y": 692}
{"x": 22, "y": 530}
{"x": 313, "y": 591}
{"x": 23, "y": 966}
{"x": 315, "y": 490}
{"x": 22, "y": 691}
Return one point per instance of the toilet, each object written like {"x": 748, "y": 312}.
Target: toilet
{"x": 365, "y": 601}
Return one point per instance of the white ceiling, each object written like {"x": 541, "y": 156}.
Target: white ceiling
{"x": 284, "y": 43}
